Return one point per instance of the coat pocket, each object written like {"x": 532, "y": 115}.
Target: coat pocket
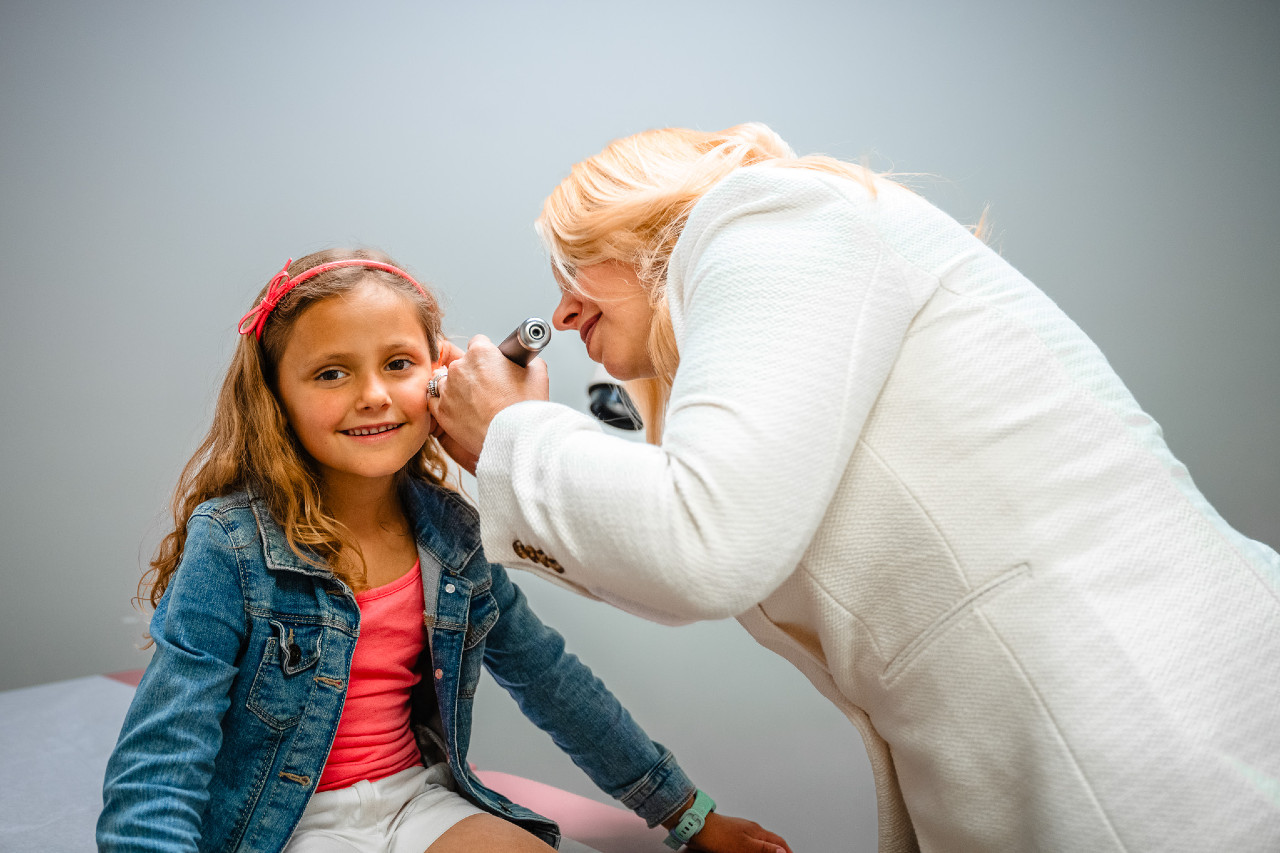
{"x": 950, "y": 619}
{"x": 282, "y": 684}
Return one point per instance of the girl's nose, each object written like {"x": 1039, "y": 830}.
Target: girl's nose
{"x": 568, "y": 312}
{"x": 373, "y": 395}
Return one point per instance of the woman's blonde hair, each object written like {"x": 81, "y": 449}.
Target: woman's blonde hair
{"x": 629, "y": 204}
{"x": 251, "y": 446}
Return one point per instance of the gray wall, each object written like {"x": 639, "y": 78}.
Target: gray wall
{"x": 160, "y": 160}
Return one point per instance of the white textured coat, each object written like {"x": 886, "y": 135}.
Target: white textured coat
{"x": 901, "y": 467}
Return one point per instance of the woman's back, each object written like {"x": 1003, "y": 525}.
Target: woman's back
{"x": 1060, "y": 643}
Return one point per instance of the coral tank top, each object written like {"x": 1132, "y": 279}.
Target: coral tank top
{"x": 373, "y": 739}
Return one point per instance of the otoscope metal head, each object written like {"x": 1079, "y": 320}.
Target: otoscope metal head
{"x": 526, "y": 341}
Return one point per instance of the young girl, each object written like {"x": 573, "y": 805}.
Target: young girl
{"x": 323, "y": 607}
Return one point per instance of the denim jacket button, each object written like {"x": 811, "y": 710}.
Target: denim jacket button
{"x": 449, "y": 587}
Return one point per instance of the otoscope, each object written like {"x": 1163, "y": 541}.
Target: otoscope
{"x": 609, "y": 402}
{"x": 526, "y": 341}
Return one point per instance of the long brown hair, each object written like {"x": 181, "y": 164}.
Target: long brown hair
{"x": 251, "y": 446}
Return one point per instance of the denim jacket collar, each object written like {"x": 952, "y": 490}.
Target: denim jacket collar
{"x": 444, "y": 525}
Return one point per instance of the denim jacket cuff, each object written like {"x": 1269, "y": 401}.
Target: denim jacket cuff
{"x": 661, "y": 792}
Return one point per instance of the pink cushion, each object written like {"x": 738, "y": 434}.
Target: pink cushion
{"x": 129, "y": 676}
{"x": 609, "y": 829}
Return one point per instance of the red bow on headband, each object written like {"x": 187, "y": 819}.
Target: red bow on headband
{"x": 281, "y": 284}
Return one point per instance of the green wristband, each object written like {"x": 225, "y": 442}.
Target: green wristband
{"x": 691, "y": 822}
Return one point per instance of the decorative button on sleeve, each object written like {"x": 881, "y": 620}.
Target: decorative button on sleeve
{"x": 536, "y": 555}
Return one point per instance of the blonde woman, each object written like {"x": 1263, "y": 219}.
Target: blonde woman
{"x": 900, "y": 466}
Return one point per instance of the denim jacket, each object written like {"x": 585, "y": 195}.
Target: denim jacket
{"x": 232, "y": 723}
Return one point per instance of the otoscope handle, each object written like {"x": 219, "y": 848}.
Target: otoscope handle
{"x": 526, "y": 341}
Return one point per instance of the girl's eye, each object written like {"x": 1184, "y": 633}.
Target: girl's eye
{"x": 399, "y": 364}
{"x": 331, "y": 375}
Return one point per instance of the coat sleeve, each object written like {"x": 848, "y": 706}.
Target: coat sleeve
{"x": 560, "y": 695}
{"x": 156, "y": 787}
{"x": 789, "y": 310}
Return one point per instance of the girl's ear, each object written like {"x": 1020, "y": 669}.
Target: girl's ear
{"x": 449, "y": 352}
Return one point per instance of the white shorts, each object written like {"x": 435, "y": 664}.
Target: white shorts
{"x": 403, "y": 813}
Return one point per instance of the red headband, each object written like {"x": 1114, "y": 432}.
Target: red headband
{"x": 281, "y": 284}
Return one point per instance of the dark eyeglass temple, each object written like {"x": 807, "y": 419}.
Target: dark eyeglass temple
{"x": 612, "y": 406}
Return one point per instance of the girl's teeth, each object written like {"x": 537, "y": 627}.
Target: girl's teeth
{"x": 374, "y": 431}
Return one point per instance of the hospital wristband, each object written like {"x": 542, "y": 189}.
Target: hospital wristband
{"x": 691, "y": 822}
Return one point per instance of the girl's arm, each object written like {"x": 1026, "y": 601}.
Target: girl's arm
{"x": 156, "y": 787}
{"x": 561, "y": 695}
{"x": 789, "y": 308}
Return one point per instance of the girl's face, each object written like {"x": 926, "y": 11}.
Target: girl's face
{"x": 353, "y": 380}
{"x": 612, "y": 315}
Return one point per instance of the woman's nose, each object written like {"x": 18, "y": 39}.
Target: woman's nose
{"x": 567, "y": 312}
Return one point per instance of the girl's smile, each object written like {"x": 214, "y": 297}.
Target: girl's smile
{"x": 353, "y": 379}
{"x": 370, "y": 431}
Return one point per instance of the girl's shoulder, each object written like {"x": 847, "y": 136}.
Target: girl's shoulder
{"x": 236, "y": 521}
{"x": 225, "y": 504}
{"x": 237, "y": 530}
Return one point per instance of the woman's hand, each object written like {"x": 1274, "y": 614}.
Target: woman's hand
{"x": 722, "y": 834}
{"x": 480, "y": 383}
{"x": 465, "y": 459}
{"x": 449, "y": 353}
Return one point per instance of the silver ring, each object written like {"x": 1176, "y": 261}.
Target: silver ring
{"x": 433, "y": 390}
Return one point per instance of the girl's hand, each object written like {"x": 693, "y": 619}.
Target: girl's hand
{"x": 480, "y": 383}
{"x": 722, "y": 834}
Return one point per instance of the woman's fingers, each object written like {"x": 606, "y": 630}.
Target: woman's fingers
{"x": 465, "y": 458}
{"x": 449, "y": 353}
{"x": 471, "y": 387}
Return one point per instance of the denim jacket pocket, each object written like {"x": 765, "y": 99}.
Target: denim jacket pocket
{"x": 280, "y": 688}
